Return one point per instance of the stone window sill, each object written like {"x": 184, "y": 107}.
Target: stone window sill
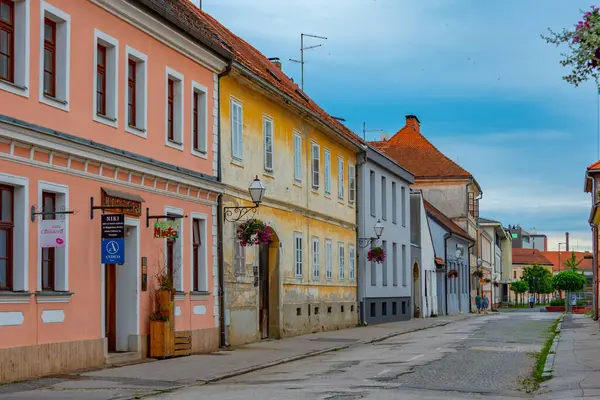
{"x": 53, "y": 297}
{"x": 9, "y": 297}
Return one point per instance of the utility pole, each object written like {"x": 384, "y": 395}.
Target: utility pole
{"x": 365, "y": 131}
{"x": 302, "y": 48}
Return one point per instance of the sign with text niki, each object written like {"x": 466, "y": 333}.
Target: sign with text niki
{"x": 166, "y": 229}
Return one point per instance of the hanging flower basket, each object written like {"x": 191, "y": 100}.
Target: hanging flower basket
{"x": 496, "y": 284}
{"x": 478, "y": 273}
{"x": 252, "y": 232}
{"x": 376, "y": 254}
{"x": 453, "y": 273}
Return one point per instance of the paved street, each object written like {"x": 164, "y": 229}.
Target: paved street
{"x": 483, "y": 357}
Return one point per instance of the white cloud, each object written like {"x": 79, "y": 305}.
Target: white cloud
{"x": 578, "y": 240}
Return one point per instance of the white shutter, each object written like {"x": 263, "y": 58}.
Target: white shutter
{"x": 316, "y": 164}
{"x": 297, "y": 157}
{"x": 340, "y": 178}
{"x": 327, "y": 172}
{"x": 268, "y": 135}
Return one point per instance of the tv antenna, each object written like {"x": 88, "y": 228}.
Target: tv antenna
{"x": 365, "y": 131}
{"x": 302, "y": 48}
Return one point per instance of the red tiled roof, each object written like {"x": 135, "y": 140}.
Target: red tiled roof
{"x": 256, "y": 62}
{"x": 444, "y": 221}
{"x": 412, "y": 150}
{"x": 559, "y": 264}
{"x": 594, "y": 166}
{"x": 529, "y": 257}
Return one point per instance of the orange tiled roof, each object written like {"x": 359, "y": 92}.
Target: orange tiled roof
{"x": 412, "y": 150}
{"x": 256, "y": 62}
{"x": 444, "y": 220}
{"x": 529, "y": 257}
{"x": 559, "y": 264}
{"x": 594, "y": 166}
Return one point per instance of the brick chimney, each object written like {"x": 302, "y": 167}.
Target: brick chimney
{"x": 413, "y": 121}
{"x": 567, "y": 241}
{"x": 276, "y": 62}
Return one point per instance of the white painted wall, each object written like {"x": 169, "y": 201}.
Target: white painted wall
{"x": 427, "y": 276}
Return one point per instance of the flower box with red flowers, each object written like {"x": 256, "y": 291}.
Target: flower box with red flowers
{"x": 376, "y": 254}
{"x": 252, "y": 232}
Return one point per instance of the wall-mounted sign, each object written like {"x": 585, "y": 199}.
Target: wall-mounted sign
{"x": 52, "y": 233}
{"x": 113, "y": 242}
{"x": 112, "y": 198}
{"x": 166, "y": 229}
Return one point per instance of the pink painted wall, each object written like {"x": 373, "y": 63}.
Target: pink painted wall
{"x": 85, "y": 17}
{"x": 83, "y": 312}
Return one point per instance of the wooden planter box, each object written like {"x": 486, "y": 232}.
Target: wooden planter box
{"x": 555, "y": 308}
{"x": 161, "y": 339}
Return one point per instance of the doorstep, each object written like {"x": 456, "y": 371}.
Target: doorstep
{"x": 125, "y": 357}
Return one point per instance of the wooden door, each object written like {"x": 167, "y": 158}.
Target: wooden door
{"x": 263, "y": 274}
{"x": 110, "y": 305}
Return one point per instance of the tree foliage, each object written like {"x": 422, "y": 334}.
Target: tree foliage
{"x": 570, "y": 281}
{"x": 583, "y": 42}
{"x": 538, "y": 278}
{"x": 572, "y": 262}
{"x": 519, "y": 287}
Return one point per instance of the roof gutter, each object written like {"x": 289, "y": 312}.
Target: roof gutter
{"x": 268, "y": 86}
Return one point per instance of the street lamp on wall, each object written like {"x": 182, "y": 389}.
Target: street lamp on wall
{"x": 257, "y": 194}
{"x": 378, "y": 228}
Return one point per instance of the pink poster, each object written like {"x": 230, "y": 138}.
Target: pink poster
{"x": 52, "y": 233}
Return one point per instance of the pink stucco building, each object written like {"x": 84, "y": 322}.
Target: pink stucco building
{"x": 112, "y": 102}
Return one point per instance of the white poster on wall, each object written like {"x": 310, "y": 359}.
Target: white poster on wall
{"x": 52, "y": 233}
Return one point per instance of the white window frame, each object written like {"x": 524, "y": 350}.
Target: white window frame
{"x": 21, "y": 234}
{"x": 63, "y": 57}
{"x": 395, "y": 264}
{"x": 351, "y": 183}
{"x": 21, "y": 50}
{"x": 315, "y": 155}
{"x": 384, "y": 198}
{"x": 403, "y": 200}
{"x": 341, "y": 261}
{"x": 297, "y": 148}
{"x": 178, "y": 277}
{"x": 372, "y": 193}
{"x": 327, "y": 167}
{"x": 316, "y": 258}
{"x": 341, "y": 173}
{"x": 61, "y": 254}
{"x": 111, "y": 76}
{"x": 241, "y": 258}
{"x": 267, "y": 120}
{"x": 178, "y": 107}
{"x": 141, "y": 92}
{"x": 328, "y": 259}
{"x": 394, "y": 205}
{"x": 404, "y": 266}
{"x": 351, "y": 262}
{"x": 237, "y": 143}
{"x": 298, "y": 254}
{"x": 203, "y": 254}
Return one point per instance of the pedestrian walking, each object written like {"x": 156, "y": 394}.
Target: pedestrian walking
{"x": 486, "y": 303}
{"x": 531, "y": 301}
{"x": 478, "y": 303}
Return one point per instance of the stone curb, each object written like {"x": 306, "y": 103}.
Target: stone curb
{"x": 549, "y": 365}
{"x": 299, "y": 357}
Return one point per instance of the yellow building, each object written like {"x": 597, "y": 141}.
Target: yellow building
{"x": 305, "y": 279}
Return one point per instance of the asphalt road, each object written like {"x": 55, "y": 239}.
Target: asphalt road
{"x": 484, "y": 357}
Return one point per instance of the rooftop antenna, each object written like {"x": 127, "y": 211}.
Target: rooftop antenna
{"x": 365, "y": 131}
{"x": 302, "y": 48}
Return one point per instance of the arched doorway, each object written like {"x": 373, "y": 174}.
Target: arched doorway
{"x": 416, "y": 301}
{"x": 268, "y": 288}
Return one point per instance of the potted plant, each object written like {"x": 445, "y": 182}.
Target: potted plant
{"x": 556, "y": 305}
{"x": 161, "y": 319}
{"x": 496, "y": 284}
{"x": 376, "y": 254}
{"x": 453, "y": 273}
{"x": 253, "y": 231}
{"x": 478, "y": 273}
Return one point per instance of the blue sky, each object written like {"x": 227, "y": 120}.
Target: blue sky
{"x": 486, "y": 87}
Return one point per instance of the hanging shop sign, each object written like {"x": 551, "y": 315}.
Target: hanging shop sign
{"x": 52, "y": 233}
{"x": 166, "y": 229}
{"x": 132, "y": 204}
{"x": 113, "y": 242}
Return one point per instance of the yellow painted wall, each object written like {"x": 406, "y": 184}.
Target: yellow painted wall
{"x": 289, "y": 207}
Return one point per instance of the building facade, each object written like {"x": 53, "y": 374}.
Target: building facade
{"x": 304, "y": 280}
{"x": 451, "y": 244}
{"x": 592, "y": 186}
{"x": 384, "y": 290}
{"x": 494, "y": 230}
{"x": 99, "y": 112}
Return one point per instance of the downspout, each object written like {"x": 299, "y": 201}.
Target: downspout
{"x": 360, "y": 205}
{"x": 221, "y": 267}
{"x": 446, "y": 237}
{"x": 595, "y": 266}
{"x": 469, "y": 280}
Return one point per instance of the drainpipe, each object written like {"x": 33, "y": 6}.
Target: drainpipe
{"x": 446, "y": 237}
{"x": 595, "y": 266}
{"x": 469, "y": 280}
{"x": 221, "y": 267}
{"x": 360, "y": 211}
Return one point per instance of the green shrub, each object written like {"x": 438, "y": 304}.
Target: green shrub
{"x": 557, "y": 302}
